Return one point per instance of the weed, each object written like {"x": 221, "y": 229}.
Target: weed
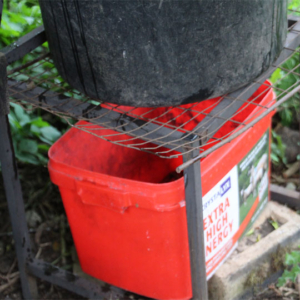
{"x": 32, "y": 136}
{"x": 278, "y": 150}
{"x": 292, "y": 262}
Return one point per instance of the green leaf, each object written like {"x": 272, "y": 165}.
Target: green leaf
{"x": 286, "y": 276}
{"x": 295, "y": 271}
{"x": 28, "y": 146}
{"x": 50, "y": 133}
{"x": 258, "y": 238}
{"x": 13, "y": 120}
{"x": 39, "y": 122}
{"x": 281, "y": 281}
{"x": 274, "y": 224}
{"x": 35, "y": 130}
{"x": 28, "y": 158}
{"x": 43, "y": 147}
{"x": 292, "y": 258}
{"x": 276, "y": 75}
{"x": 43, "y": 160}
{"x": 22, "y": 117}
{"x": 274, "y": 158}
{"x": 250, "y": 232}
{"x": 30, "y": 20}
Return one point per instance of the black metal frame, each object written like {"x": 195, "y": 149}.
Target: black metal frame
{"x": 29, "y": 266}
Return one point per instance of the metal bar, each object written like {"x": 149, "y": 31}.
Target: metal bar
{"x": 28, "y": 64}
{"x": 193, "y": 198}
{"x": 285, "y": 196}
{"x": 4, "y": 105}
{"x": 73, "y": 283}
{"x": 13, "y": 190}
{"x": 16, "y": 208}
{"x": 224, "y": 110}
{"x": 25, "y": 44}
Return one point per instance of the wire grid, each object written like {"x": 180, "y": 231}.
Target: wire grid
{"x": 166, "y": 132}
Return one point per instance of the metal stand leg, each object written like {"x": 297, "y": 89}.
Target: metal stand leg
{"x": 16, "y": 208}
{"x": 13, "y": 191}
{"x": 193, "y": 196}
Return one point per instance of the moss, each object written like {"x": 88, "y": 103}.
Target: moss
{"x": 261, "y": 273}
{"x": 278, "y": 258}
{"x": 256, "y": 277}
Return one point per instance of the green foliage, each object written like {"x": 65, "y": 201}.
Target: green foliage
{"x": 32, "y": 136}
{"x": 277, "y": 150}
{"x": 284, "y": 79}
{"x": 294, "y": 5}
{"x": 292, "y": 262}
{"x": 18, "y": 18}
{"x": 274, "y": 224}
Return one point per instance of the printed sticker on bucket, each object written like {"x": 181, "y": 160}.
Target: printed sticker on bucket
{"x": 234, "y": 203}
{"x": 220, "y": 219}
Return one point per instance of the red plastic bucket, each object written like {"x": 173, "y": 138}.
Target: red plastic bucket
{"x": 129, "y": 224}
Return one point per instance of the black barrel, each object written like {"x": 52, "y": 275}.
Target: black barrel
{"x": 163, "y": 52}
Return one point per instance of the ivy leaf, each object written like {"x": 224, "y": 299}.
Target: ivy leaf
{"x": 292, "y": 258}
{"x": 22, "y": 117}
{"x": 28, "y": 158}
{"x": 50, "y": 133}
{"x": 295, "y": 271}
{"x": 286, "y": 276}
{"x": 28, "y": 146}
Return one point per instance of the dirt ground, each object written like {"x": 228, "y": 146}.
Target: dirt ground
{"x": 49, "y": 231}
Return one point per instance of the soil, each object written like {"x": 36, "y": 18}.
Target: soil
{"x": 46, "y": 218}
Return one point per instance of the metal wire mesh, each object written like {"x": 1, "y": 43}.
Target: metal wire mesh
{"x": 170, "y": 131}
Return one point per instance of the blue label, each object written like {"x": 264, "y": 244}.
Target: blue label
{"x": 225, "y": 186}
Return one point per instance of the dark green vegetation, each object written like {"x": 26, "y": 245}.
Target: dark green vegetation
{"x": 292, "y": 262}
{"x": 32, "y": 135}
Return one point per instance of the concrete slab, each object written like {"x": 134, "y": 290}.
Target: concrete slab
{"x": 246, "y": 270}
